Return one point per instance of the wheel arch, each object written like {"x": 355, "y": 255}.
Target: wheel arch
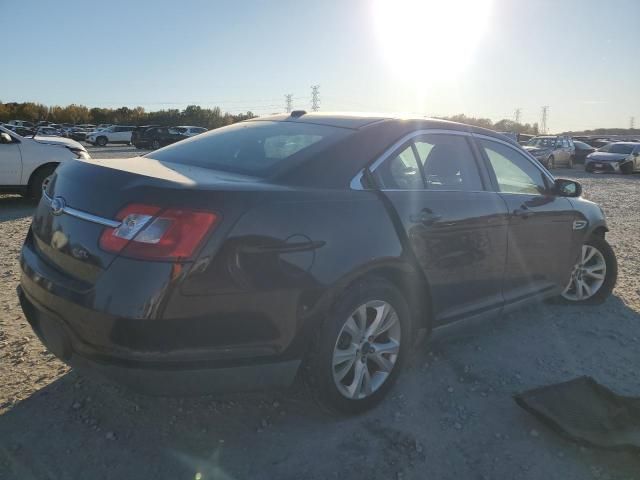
{"x": 35, "y": 172}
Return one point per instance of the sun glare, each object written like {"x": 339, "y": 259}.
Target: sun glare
{"x": 427, "y": 40}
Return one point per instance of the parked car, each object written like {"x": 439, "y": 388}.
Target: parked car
{"x": 21, "y": 123}
{"x": 582, "y": 150}
{"x": 25, "y": 163}
{"x": 156, "y": 137}
{"x": 552, "y": 150}
{"x": 225, "y": 261}
{"x": 616, "y": 157}
{"x": 137, "y": 133}
{"x": 112, "y": 134}
{"x": 188, "y": 131}
{"x": 22, "y": 131}
{"x": 48, "y": 131}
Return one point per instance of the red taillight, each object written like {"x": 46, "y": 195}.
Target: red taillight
{"x": 152, "y": 233}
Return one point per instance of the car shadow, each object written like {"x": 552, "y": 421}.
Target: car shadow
{"x": 448, "y": 415}
{"x": 14, "y": 207}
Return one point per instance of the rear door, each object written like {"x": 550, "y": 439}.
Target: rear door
{"x": 540, "y": 247}
{"x": 10, "y": 163}
{"x": 455, "y": 227}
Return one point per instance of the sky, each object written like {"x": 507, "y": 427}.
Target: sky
{"x": 484, "y": 58}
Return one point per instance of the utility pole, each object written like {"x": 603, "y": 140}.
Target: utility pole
{"x": 289, "y": 102}
{"x": 516, "y": 115}
{"x": 543, "y": 123}
{"x": 315, "y": 98}
{"x": 632, "y": 123}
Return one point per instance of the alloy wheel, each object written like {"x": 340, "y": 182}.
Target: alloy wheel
{"x": 588, "y": 275}
{"x": 366, "y": 350}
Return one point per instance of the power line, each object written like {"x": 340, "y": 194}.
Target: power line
{"x": 289, "y": 102}
{"x": 516, "y": 115}
{"x": 315, "y": 98}
{"x": 543, "y": 123}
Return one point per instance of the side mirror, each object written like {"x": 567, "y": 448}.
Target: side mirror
{"x": 567, "y": 188}
{"x": 5, "y": 138}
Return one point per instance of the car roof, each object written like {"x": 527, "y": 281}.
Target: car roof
{"x": 357, "y": 121}
{"x": 625, "y": 143}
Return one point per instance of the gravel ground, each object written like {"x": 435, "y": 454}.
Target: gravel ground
{"x": 451, "y": 416}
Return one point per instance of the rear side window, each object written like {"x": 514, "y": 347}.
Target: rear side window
{"x": 257, "y": 148}
{"x": 448, "y": 163}
{"x": 400, "y": 172}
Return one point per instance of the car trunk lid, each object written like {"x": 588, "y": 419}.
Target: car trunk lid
{"x": 84, "y": 197}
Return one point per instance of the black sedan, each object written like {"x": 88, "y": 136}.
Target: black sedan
{"x": 154, "y": 137}
{"x": 582, "y": 150}
{"x": 325, "y": 243}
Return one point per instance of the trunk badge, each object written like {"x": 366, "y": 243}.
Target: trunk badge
{"x": 57, "y": 205}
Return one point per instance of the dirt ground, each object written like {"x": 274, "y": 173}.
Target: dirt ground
{"x": 451, "y": 415}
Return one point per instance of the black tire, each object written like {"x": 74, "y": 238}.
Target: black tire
{"x": 570, "y": 165}
{"x": 551, "y": 162}
{"x": 102, "y": 141}
{"x": 611, "y": 275}
{"x": 155, "y": 144}
{"x": 627, "y": 168}
{"x": 37, "y": 179}
{"x": 319, "y": 364}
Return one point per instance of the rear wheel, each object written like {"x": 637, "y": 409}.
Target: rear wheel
{"x": 551, "y": 162}
{"x": 155, "y": 144}
{"x": 594, "y": 275}
{"x": 101, "y": 141}
{"x": 360, "y": 348}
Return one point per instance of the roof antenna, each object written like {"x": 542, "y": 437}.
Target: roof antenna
{"x": 298, "y": 113}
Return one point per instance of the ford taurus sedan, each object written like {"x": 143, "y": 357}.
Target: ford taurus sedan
{"x": 311, "y": 243}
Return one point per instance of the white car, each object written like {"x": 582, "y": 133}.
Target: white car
{"x": 112, "y": 134}
{"x": 26, "y": 162}
{"x": 188, "y": 130}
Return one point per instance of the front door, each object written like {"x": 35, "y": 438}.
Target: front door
{"x": 540, "y": 247}
{"x": 455, "y": 228}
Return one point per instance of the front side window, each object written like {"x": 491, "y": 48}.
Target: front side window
{"x": 514, "y": 172}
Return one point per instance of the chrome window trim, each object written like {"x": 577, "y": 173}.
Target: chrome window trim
{"x": 522, "y": 152}
{"x": 89, "y": 217}
{"x": 356, "y": 182}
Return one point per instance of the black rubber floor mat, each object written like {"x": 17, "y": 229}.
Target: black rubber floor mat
{"x": 586, "y": 412}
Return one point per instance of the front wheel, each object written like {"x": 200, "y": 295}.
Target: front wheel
{"x": 594, "y": 275}
{"x": 101, "y": 141}
{"x": 155, "y": 144}
{"x": 570, "y": 164}
{"x": 627, "y": 168}
{"x": 360, "y": 348}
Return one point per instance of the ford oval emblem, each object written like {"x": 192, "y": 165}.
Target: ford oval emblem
{"x": 57, "y": 205}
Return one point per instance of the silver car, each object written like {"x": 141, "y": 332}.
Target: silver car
{"x": 616, "y": 157}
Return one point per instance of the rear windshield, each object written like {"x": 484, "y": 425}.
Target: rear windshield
{"x": 257, "y": 148}
{"x": 617, "y": 148}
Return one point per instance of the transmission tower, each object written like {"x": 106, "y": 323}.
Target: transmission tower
{"x": 289, "y": 102}
{"x": 632, "y": 123}
{"x": 543, "y": 123}
{"x": 516, "y": 115}
{"x": 315, "y": 98}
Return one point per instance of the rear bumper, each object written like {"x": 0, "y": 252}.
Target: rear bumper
{"x": 154, "y": 377}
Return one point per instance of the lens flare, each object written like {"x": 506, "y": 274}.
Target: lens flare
{"x": 427, "y": 40}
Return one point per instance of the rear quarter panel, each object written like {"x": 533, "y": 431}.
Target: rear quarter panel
{"x": 275, "y": 293}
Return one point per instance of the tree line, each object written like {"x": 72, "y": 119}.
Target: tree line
{"x": 79, "y": 114}
{"x": 504, "y": 125}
